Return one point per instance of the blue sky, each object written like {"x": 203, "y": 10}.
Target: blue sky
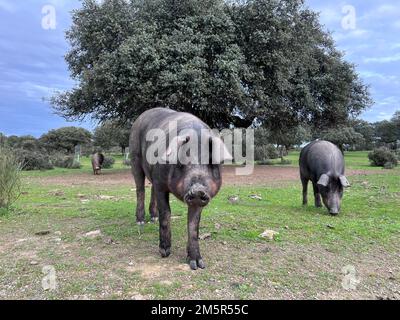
{"x": 32, "y": 65}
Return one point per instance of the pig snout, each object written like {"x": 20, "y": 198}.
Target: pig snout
{"x": 334, "y": 211}
{"x": 197, "y": 196}
{"x": 334, "y": 205}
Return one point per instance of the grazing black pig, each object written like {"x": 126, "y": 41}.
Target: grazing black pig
{"x": 323, "y": 163}
{"x": 97, "y": 163}
{"x": 192, "y": 181}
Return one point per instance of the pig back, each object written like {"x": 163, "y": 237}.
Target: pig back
{"x": 322, "y": 157}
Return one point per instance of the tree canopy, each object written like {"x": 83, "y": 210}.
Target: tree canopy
{"x": 111, "y": 134}
{"x": 228, "y": 62}
{"x": 65, "y": 139}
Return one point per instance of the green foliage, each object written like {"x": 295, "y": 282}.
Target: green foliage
{"x": 108, "y": 162}
{"x": 367, "y": 130}
{"x": 10, "y": 182}
{"x": 389, "y": 165}
{"x": 382, "y": 157}
{"x": 387, "y": 131}
{"x": 65, "y": 139}
{"x": 63, "y": 161}
{"x": 286, "y": 162}
{"x": 265, "y": 152}
{"x": 33, "y": 160}
{"x": 342, "y": 136}
{"x": 227, "y": 62}
{"x": 111, "y": 134}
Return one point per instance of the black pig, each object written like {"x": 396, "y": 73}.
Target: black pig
{"x": 323, "y": 163}
{"x": 97, "y": 163}
{"x": 193, "y": 182}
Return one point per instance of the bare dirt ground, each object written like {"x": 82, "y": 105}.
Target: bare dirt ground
{"x": 262, "y": 175}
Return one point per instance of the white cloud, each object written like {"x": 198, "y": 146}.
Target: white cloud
{"x": 387, "y": 59}
{"x": 353, "y": 34}
{"x": 7, "y": 5}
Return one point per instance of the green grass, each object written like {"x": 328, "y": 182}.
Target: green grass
{"x": 304, "y": 261}
{"x": 353, "y": 159}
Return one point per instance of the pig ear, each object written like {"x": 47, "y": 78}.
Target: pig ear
{"x": 174, "y": 146}
{"x": 345, "y": 183}
{"x": 219, "y": 151}
{"x": 323, "y": 180}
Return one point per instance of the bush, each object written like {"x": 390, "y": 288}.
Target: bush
{"x": 267, "y": 162}
{"x": 389, "y": 165}
{"x": 33, "y": 160}
{"x": 265, "y": 152}
{"x": 379, "y": 157}
{"x": 286, "y": 162}
{"x": 66, "y": 162}
{"x": 10, "y": 182}
{"x": 108, "y": 163}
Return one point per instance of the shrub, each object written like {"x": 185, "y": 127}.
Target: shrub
{"x": 265, "y": 152}
{"x": 108, "y": 163}
{"x": 10, "y": 182}
{"x": 286, "y": 162}
{"x": 33, "y": 160}
{"x": 389, "y": 165}
{"x": 379, "y": 157}
{"x": 267, "y": 162}
{"x": 66, "y": 162}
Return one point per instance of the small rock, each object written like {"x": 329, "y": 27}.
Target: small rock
{"x": 57, "y": 233}
{"x": 43, "y": 233}
{"x": 93, "y": 234}
{"x": 217, "y": 226}
{"x": 205, "y": 236}
{"x": 255, "y": 197}
{"x": 138, "y": 297}
{"x": 56, "y": 240}
{"x": 109, "y": 241}
{"x": 106, "y": 197}
{"x": 329, "y": 226}
{"x": 269, "y": 234}
{"x": 57, "y": 193}
{"x": 287, "y": 227}
{"x": 233, "y": 199}
{"x": 34, "y": 263}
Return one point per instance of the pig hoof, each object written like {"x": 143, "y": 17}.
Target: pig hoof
{"x": 193, "y": 264}
{"x": 154, "y": 220}
{"x": 140, "y": 223}
{"x": 201, "y": 264}
{"x": 165, "y": 252}
{"x": 196, "y": 264}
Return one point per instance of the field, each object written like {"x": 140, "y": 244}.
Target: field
{"x": 315, "y": 256}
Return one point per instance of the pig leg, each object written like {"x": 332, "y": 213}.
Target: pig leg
{"x": 140, "y": 191}
{"x": 153, "y": 206}
{"x": 165, "y": 222}
{"x": 193, "y": 248}
{"x": 304, "y": 181}
{"x": 317, "y": 196}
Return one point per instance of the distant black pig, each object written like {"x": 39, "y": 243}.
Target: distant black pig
{"x": 97, "y": 163}
{"x": 323, "y": 163}
{"x": 193, "y": 181}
